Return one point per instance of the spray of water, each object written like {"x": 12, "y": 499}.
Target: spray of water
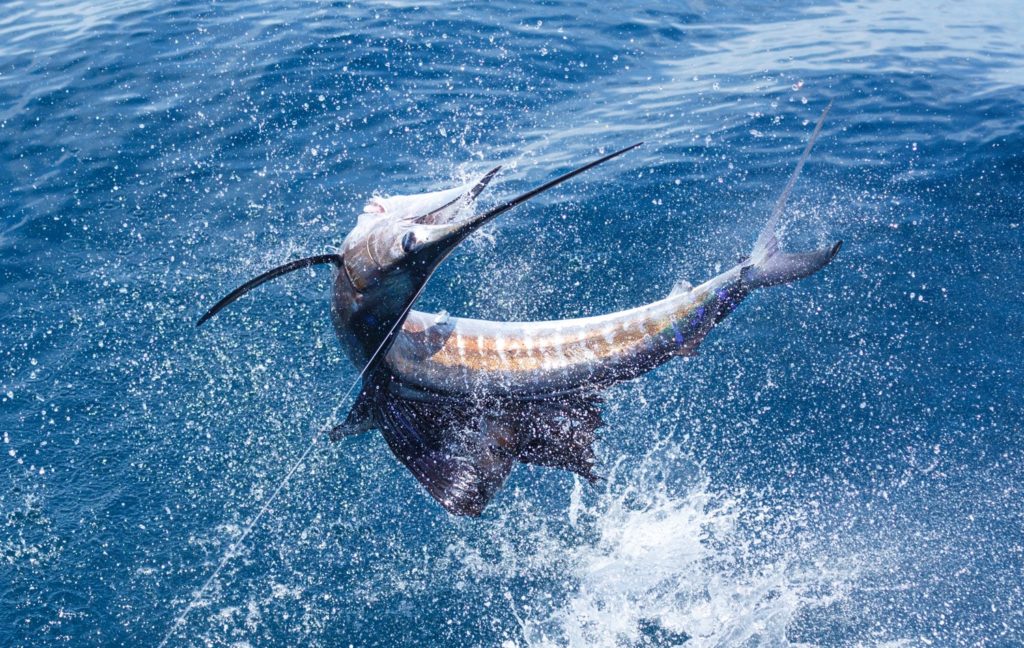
{"x": 233, "y": 549}
{"x": 659, "y": 557}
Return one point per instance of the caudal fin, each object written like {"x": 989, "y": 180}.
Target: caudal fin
{"x": 781, "y": 267}
{"x": 768, "y": 264}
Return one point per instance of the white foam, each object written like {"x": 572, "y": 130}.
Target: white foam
{"x": 664, "y": 563}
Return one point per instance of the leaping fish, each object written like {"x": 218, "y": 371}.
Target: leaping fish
{"x": 460, "y": 401}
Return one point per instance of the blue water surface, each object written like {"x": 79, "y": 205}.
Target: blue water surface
{"x": 840, "y": 465}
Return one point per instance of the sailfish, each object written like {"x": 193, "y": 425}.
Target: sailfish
{"x": 461, "y": 401}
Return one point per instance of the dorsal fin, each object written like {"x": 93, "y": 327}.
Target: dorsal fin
{"x": 461, "y": 448}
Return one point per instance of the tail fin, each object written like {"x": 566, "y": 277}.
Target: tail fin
{"x": 768, "y": 264}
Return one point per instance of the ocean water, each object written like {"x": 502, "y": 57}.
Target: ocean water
{"x": 841, "y": 465}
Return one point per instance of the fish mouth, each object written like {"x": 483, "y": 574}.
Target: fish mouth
{"x": 450, "y": 211}
{"x": 441, "y": 231}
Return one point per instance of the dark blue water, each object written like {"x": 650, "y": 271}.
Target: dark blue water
{"x": 841, "y": 465}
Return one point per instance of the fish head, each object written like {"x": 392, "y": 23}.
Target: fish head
{"x": 388, "y": 257}
{"x": 410, "y": 234}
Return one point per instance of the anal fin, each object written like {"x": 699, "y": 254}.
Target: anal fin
{"x": 680, "y": 287}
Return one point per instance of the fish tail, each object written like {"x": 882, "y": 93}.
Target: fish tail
{"x": 768, "y": 264}
{"x": 783, "y": 267}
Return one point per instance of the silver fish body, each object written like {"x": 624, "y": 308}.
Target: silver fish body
{"x": 461, "y": 401}
{"x": 483, "y": 359}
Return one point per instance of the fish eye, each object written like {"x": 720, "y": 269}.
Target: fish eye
{"x": 408, "y": 242}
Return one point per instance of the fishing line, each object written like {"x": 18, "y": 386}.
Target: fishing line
{"x": 370, "y": 364}
{"x": 291, "y": 471}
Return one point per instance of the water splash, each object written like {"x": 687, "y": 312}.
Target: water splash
{"x": 659, "y": 559}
